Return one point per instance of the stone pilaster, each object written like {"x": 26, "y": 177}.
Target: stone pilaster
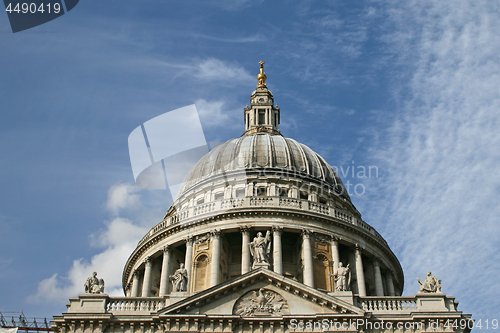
{"x": 146, "y": 284}
{"x": 308, "y": 258}
{"x": 379, "y": 287}
{"x": 277, "y": 251}
{"x": 250, "y": 189}
{"x": 360, "y": 274}
{"x": 135, "y": 284}
{"x": 215, "y": 265}
{"x": 272, "y": 190}
{"x": 165, "y": 268}
{"x": 245, "y": 250}
{"x": 188, "y": 260}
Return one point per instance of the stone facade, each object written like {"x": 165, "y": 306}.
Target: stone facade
{"x": 262, "y": 238}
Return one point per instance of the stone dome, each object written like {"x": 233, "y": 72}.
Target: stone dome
{"x": 261, "y": 184}
{"x": 269, "y": 152}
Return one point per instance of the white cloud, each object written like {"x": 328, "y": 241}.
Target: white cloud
{"x": 214, "y": 113}
{"x": 443, "y": 184}
{"x": 121, "y": 196}
{"x": 118, "y": 238}
{"x": 217, "y": 70}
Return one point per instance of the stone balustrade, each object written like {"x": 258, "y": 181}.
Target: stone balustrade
{"x": 204, "y": 208}
{"x": 319, "y": 208}
{"x": 378, "y": 305}
{"x": 290, "y": 202}
{"x": 219, "y": 206}
{"x": 118, "y": 305}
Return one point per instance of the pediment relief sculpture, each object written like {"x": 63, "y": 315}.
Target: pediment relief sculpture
{"x": 261, "y": 302}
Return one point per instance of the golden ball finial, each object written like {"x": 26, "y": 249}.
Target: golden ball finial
{"x": 261, "y": 77}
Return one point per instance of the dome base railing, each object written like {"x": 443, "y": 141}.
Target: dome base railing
{"x": 221, "y": 206}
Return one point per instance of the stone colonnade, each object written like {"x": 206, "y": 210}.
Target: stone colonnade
{"x": 277, "y": 264}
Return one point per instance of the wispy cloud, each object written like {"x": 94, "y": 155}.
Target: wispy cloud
{"x": 217, "y": 70}
{"x": 441, "y": 192}
{"x": 250, "y": 39}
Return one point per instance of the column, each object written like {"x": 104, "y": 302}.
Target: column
{"x": 215, "y": 265}
{"x": 335, "y": 253}
{"x": 308, "y": 259}
{"x": 379, "y": 287}
{"x": 360, "y": 274}
{"x": 189, "y": 259}
{"x": 277, "y": 252}
{"x": 165, "y": 268}
{"x": 245, "y": 250}
{"x": 146, "y": 284}
{"x": 390, "y": 284}
{"x": 135, "y": 283}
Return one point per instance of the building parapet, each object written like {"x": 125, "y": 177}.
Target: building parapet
{"x": 102, "y": 303}
{"x": 212, "y": 208}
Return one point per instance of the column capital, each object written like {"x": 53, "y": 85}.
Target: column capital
{"x": 277, "y": 230}
{"x": 166, "y": 248}
{"x": 245, "y": 230}
{"x": 334, "y": 239}
{"x": 189, "y": 240}
{"x": 135, "y": 273}
{"x": 376, "y": 261}
{"x": 147, "y": 259}
{"x": 216, "y": 233}
{"x": 358, "y": 249}
{"x": 307, "y": 233}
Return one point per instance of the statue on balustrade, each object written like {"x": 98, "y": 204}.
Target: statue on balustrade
{"x": 430, "y": 284}
{"x": 342, "y": 277}
{"x": 179, "y": 279}
{"x": 93, "y": 285}
{"x": 260, "y": 249}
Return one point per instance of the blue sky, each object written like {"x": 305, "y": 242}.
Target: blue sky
{"x": 411, "y": 87}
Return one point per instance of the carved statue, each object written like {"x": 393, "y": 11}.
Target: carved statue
{"x": 93, "y": 285}
{"x": 179, "y": 279}
{"x": 342, "y": 277}
{"x": 430, "y": 285}
{"x": 260, "y": 249}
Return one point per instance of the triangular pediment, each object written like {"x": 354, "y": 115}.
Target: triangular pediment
{"x": 274, "y": 292}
